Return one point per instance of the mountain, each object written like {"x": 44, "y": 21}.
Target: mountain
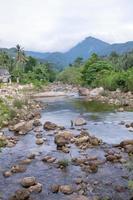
{"x": 83, "y": 49}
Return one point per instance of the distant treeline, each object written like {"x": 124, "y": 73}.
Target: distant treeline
{"x": 111, "y": 72}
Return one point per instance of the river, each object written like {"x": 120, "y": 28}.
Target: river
{"x": 103, "y": 121}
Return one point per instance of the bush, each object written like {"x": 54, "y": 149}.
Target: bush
{"x": 71, "y": 75}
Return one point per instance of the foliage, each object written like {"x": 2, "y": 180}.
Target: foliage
{"x": 94, "y": 68}
{"x": 70, "y": 75}
{"x": 27, "y": 69}
{"x": 105, "y": 72}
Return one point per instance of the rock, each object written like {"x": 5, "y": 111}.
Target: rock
{"x": 28, "y": 181}
{"x": 37, "y": 122}
{"x": 23, "y": 127}
{"x": 82, "y": 139}
{"x": 96, "y": 92}
{"x": 120, "y": 109}
{"x": 55, "y": 188}
{"x": 18, "y": 169}
{"x": 26, "y": 161}
{"x": 62, "y": 138}
{"x": 49, "y": 126}
{"x": 22, "y": 194}
{"x": 65, "y": 149}
{"x": 93, "y": 167}
{"x": 126, "y": 142}
{"x": 128, "y": 148}
{"x": 84, "y": 91}
{"x": 39, "y": 141}
{"x": 7, "y": 174}
{"x": 35, "y": 188}
{"x": 78, "y": 180}
{"x": 80, "y": 122}
{"x": 66, "y": 189}
{"x": 31, "y": 156}
{"x": 49, "y": 159}
{"x": 111, "y": 158}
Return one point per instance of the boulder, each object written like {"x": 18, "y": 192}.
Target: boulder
{"x": 49, "y": 159}
{"x": 66, "y": 189}
{"x": 35, "y": 188}
{"x": 22, "y": 194}
{"x": 26, "y": 161}
{"x": 126, "y": 142}
{"x": 62, "y": 138}
{"x": 55, "y": 188}
{"x": 23, "y": 127}
{"x": 18, "y": 169}
{"x": 80, "y": 122}
{"x": 49, "y": 126}
{"x": 39, "y": 141}
{"x": 128, "y": 148}
{"x": 97, "y": 92}
{"x": 28, "y": 181}
{"x": 84, "y": 91}
{"x": 7, "y": 174}
{"x": 37, "y": 122}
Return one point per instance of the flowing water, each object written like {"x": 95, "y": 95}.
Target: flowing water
{"x": 102, "y": 121}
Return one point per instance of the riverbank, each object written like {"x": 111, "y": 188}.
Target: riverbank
{"x": 121, "y": 99}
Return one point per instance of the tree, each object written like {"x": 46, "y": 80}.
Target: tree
{"x": 94, "y": 67}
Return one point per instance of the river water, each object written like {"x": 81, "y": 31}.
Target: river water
{"x": 102, "y": 121}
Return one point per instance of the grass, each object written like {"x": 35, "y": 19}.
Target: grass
{"x": 6, "y": 112}
{"x": 130, "y": 185}
{"x": 3, "y": 143}
{"x": 18, "y": 103}
{"x": 129, "y": 164}
{"x": 64, "y": 163}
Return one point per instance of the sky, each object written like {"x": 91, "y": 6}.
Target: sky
{"x": 57, "y": 25}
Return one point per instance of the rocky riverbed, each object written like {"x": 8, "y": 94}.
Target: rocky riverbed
{"x": 69, "y": 150}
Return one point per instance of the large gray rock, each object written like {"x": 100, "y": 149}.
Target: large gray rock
{"x": 84, "y": 91}
{"x": 97, "y": 92}
{"x": 79, "y": 122}
{"x": 28, "y": 181}
{"x": 22, "y": 194}
{"x": 62, "y": 138}
{"x": 23, "y": 127}
{"x": 49, "y": 126}
{"x": 66, "y": 189}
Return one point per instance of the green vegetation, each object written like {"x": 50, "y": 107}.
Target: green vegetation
{"x": 25, "y": 69}
{"x": 112, "y": 72}
{"x": 63, "y": 163}
{"x": 3, "y": 143}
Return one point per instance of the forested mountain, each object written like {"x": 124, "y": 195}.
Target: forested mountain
{"x": 83, "y": 49}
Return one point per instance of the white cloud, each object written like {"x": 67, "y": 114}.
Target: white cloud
{"x": 48, "y": 25}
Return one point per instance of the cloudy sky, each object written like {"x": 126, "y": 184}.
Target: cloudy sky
{"x": 57, "y": 25}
